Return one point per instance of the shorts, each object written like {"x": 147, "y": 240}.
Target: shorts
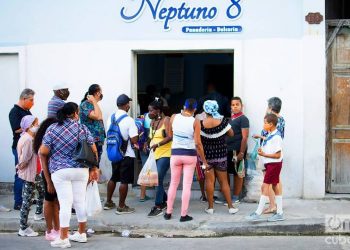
{"x": 48, "y": 196}
{"x": 230, "y": 164}
{"x": 123, "y": 171}
{"x": 272, "y": 175}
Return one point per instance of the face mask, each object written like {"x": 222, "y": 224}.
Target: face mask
{"x": 34, "y": 129}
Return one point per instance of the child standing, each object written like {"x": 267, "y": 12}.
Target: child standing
{"x": 29, "y": 172}
{"x": 271, "y": 154}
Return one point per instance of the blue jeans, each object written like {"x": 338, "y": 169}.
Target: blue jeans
{"x": 18, "y": 185}
{"x": 163, "y": 165}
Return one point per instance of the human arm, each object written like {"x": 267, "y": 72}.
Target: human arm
{"x": 276, "y": 155}
{"x": 95, "y": 113}
{"x": 198, "y": 143}
{"x": 25, "y": 154}
{"x": 44, "y": 152}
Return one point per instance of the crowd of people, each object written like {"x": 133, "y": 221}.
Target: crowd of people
{"x": 196, "y": 141}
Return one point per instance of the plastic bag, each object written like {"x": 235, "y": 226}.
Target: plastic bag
{"x": 93, "y": 200}
{"x": 254, "y": 153}
{"x": 253, "y": 180}
{"x": 240, "y": 169}
{"x": 149, "y": 174}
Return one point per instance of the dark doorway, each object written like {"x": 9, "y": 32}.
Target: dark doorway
{"x": 177, "y": 76}
{"x": 337, "y": 9}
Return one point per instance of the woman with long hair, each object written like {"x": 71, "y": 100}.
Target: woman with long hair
{"x": 68, "y": 177}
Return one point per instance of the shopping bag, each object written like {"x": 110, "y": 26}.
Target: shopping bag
{"x": 93, "y": 200}
{"x": 254, "y": 153}
{"x": 149, "y": 175}
{"x": 240, "y": 169}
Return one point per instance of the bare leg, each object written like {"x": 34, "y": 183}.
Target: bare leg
{"x": 201, "y": 185}
{"x": 82, "y": 227}
{"x": 110, "y": 190}
{"x": 209, "y": 184}
{"x": 56, "y": 218}
{"x": 225, "y": 188}
{"x": 142, "y": 192}
{"x": 123, "y": 192}
{"x": 49, "y": 211}
{"x": 238, "y": 184}
{"x": 64, "y": 232}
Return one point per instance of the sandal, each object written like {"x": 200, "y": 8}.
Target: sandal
{"x": 270, "y": 210}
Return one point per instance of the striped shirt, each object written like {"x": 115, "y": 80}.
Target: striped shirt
{"x": 62, "y": 141}
{"x": 54, "y": 105}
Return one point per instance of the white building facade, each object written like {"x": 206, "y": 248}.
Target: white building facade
{"x": 276, "y": 53}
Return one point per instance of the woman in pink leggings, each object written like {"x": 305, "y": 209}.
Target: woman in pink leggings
{"x": 185, "y": 130}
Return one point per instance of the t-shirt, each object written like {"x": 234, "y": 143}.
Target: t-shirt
{"x": 54, "y": 105}
{"x": 271, "y": 145}
{"x": 96, "y": 127}
{"x": 128, "y": 130}
{"x": 237, "y": 124}
{"x": 15, "y": 116}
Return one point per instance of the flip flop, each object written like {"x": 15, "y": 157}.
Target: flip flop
{"x": 270, "y": 210}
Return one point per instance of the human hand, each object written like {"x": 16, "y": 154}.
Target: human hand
{"x": 91, "y": 99}
{"x": 240, "y": 156}
{"x": 50, "y": 188}
{"x": 257, "y": 136}
{"x": 94, "y": 174}
{"x": 260, "y": 152}
{"x": 154, "y": 146}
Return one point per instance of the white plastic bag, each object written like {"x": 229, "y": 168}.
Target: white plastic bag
{"x": 149, "y": 174}
{"x": 253, "y": 180}
{"x": 92, "y": 200}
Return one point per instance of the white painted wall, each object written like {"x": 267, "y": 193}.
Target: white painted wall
{"x": 9, "y": 79}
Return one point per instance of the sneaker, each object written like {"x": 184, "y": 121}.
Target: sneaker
{"x": 60, "y": 243}
{"x": 254, "y": 217}
{"x": 144, "y": 199}
{"x": 276, "y": 217}
{"x": 109, "y": 205}
{"x": 209, "y": 210}
{"x": 218, "y": 201}
{"x": 185, "y": 218}
{"x": 203, "y": 199}
{"x": 28, "y": 232}
{"x": 4, "y": 209}
{"x": 77, "y": 237}
{"x": 53, "y": 235}
{"x": 163, "y": 206}
{"x": 155, "y": 211}
{"x": 167, "y": 216}
{"x": 233, "y": 210}
{"x": 125, "y": 210}
{"x": 38, "y": 217}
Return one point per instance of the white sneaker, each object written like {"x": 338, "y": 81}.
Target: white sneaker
{"x": 38, "y": 217}
{"x": 60, "y": 243}
{"x": 209, "y": 211}
{"x": 78, "y": 237}
{"x": 28, "y": 232}
{"x": 233, "y": 210}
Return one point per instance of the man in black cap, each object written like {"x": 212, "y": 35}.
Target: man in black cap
{"x": 123, "y": 171}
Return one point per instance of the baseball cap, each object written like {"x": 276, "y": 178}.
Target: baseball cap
{"x": 60, "y": 85}
{"x": 123, "y": 99}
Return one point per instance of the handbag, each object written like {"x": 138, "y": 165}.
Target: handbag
{"x": 83, "y": 153}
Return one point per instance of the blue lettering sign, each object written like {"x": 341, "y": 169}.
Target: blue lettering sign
{"x": 183, "y": 12}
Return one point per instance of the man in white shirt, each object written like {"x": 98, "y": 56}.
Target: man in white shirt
{"x": 123, "y": 171}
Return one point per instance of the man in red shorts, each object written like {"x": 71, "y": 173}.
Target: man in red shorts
{"x": 271, "y": 155}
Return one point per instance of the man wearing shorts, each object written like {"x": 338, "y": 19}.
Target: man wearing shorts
{"x": 123, "y": 171}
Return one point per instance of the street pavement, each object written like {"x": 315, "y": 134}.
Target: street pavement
{"x": 302, "y": 217}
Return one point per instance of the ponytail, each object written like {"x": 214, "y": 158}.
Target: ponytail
{"x": 157, "y": 104}
{"x": 85, "y": 97}
{"x": 67, "y": 111}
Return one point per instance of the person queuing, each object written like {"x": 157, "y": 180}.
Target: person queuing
{"x": 61, "y": 94}
{"x": 68, "y": 177}
{"x": 237, "y": 145}
{"x": 51, "y": 205}
{"x": 29, "y": 172}
{"x": 123, "y": 171}
{"x": 91, "y": 116}
{"x": 160, "y": 143}
{"x": 185, "y": 131}
{"x": 214, "y": 129}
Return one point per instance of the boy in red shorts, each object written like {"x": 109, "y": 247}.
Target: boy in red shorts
{"x": 271, "y": 155}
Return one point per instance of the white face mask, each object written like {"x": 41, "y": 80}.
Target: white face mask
{"x": 34, "y": 129}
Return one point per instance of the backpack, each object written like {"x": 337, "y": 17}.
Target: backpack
{"x": 116, "y": 145}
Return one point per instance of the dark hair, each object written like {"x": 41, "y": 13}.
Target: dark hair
{"x": 41, "y": 132}
{"x": 275, "y": 104}
{"x": 157, "y": 104}
{"x": 191, "y": 104}
{"x": 271, "y": 118}
{"x": 237, "y": 98}
{"x": 94, "y": 88}
{"x": 68, "y": 110}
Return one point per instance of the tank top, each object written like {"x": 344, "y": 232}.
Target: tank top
{"x": 183, "y": 132}
{"x": 164, "y": 150}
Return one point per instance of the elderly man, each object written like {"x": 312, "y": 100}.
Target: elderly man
{"x": 19, "y": 110}
{"x": 61, "y": 94}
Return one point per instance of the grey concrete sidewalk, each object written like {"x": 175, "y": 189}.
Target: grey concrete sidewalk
{"x": 305, "y": 217}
